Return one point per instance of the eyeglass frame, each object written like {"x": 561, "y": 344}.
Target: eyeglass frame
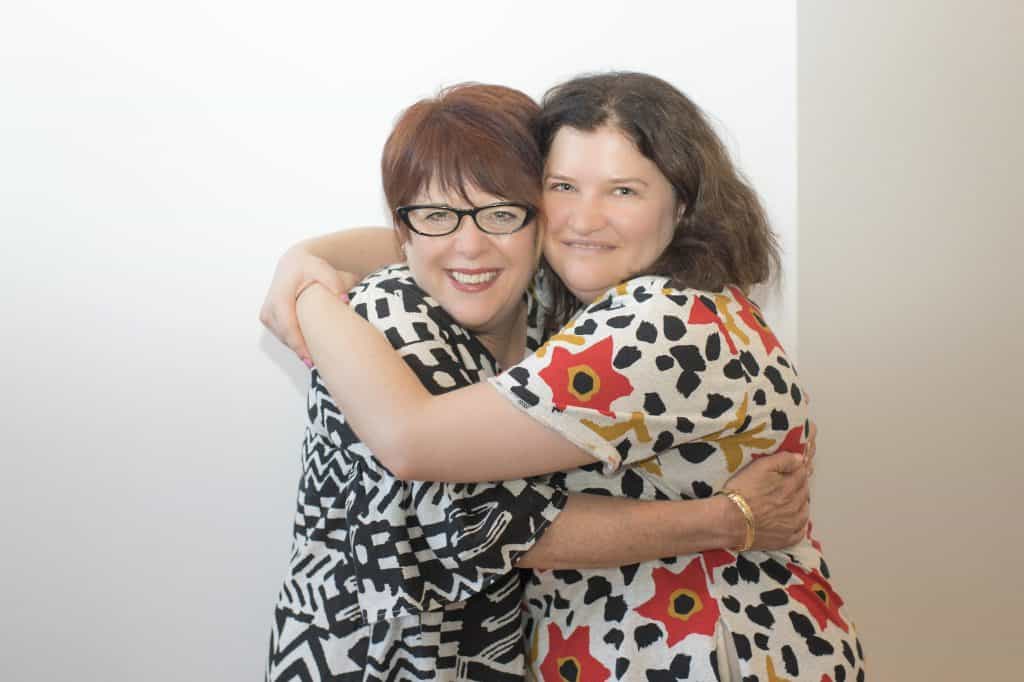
{"x": 403, "y": 213}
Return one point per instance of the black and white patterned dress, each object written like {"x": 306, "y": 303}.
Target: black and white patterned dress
{"x": 393, "y": 580}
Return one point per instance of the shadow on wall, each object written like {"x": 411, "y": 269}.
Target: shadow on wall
{"x": 286, "y": 361}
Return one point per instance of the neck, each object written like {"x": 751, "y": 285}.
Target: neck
{"x": 507, "y": 343}
{"x": 587, "y": 297}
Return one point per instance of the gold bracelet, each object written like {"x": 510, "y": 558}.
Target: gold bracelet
{"x": 748, "y": 515}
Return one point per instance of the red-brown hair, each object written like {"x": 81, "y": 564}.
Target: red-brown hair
{"x": 469, "y": 135}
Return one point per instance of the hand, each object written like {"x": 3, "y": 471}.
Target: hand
{"x": 777, "y": 489}
{"x": 296, "y": 270}
{"x": 811, "y": 447}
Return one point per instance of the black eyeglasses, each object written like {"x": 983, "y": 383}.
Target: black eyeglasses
{"x": 431, "y": 220}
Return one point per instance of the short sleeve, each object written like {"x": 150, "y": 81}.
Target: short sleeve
{"x": 420, "y": 545}
{"x": 638, "y": 372}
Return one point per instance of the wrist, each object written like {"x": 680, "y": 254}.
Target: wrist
{"x": 741, "y": 504}
{"x": 731, "y": 522}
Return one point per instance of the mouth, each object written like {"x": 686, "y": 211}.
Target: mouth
{"x": 587, "y": 245}
{"x": 472, "y": 280}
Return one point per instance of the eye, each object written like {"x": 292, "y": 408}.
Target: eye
{"x": 560, "y": 187}
{"x": 437, "y": 216}
{"x": 624, "y": 191}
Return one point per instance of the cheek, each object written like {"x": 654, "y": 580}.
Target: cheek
{"x": 548, "y": 238}
{"x": 524, "y": 252}
{"x": 421, "y": 262}
{"x": 663, "y": 226}
{"x": 667, "y": 233}
{"x": 554, "y": 210}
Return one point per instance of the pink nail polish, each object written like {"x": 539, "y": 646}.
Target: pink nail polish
{"x": 308, "y": 363}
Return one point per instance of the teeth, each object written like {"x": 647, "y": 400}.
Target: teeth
{"x": 588, "y": 245}
{"x": 464, "y": 278}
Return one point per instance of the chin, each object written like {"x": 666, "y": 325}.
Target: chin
{"x": 472, "y": 320}
{"x": 588, "y": 283}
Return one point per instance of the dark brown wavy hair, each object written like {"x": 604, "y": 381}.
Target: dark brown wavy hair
{"x": 469, "y": 134}
{"x": 723, "y": 237}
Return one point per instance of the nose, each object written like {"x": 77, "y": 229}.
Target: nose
{"x": 470, "y": 241}
{"x": 586, "y": 215}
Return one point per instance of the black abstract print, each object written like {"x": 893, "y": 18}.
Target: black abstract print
{"x": 395, "y": 580}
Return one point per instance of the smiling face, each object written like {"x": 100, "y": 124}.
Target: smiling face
{"x": 610, "y": 212}
{"x": 478, "y": 278}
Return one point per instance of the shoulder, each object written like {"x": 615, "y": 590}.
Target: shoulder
{"x": 390, "y": 281}
{"x": 418, "y": 327}
{"x": 647, "y": 305}
{"x": 391, "y": 293}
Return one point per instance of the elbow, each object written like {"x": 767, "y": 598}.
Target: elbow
{"x": 394, "y": 454}
{"x": 533, "y": 559}
{"x": 400, "y": 468}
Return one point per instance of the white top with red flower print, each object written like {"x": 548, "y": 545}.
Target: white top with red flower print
{"x": 673, "y": 391}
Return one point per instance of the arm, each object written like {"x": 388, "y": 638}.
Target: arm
{"x": 596, "y": 531}
{"x": 337, "y": 260}
{"x": 359, "y": 250}
{"x": 420, "y": 436}
{"x": 627, "y": 531}
{"x": 411, "y": 431}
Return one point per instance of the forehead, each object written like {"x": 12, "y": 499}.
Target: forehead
{"x": 435, "y": 193}
{"x": 603, "y": 150}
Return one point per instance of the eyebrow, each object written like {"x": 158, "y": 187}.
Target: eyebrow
{"x": 626, "y": 181}
{"x": 610, "y": 181}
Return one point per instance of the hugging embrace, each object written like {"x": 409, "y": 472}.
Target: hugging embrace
{"x": 549, "y": 435}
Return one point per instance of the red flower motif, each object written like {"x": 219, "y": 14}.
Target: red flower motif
{"x": 793, "y": 442}
{"x": 713, "y": 558}
{"x": 751, "y": 315}
{"x": 569, "y": 659}
{"x": 586, "y": 379}
{"x": 682, "y": 603}
{"x": 817, "y": 595}
{"x": 700, "y": 313}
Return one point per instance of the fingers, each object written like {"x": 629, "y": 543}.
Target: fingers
{"x": 812, "y": 446}
{"x": 788, "y": 462}
{"x": 295, "y": 270}
{"x": 284, "y": 325}
{"x": 794, "y": 491}
{"x": 804, "y": 519}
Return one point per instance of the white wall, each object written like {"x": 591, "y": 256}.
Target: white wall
{"x": 155, "y": 158}
{"x": 911, "y": 317}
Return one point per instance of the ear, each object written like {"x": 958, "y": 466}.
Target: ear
{"x": 680, "y": 211}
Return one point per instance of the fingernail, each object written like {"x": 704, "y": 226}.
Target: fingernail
{"x": 308, "y": 363}
{"x": 344, "y": 297}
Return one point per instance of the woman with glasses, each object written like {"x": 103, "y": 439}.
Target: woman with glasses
{"x": 399, "y": 579}
{"x": 664, "y": 383}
